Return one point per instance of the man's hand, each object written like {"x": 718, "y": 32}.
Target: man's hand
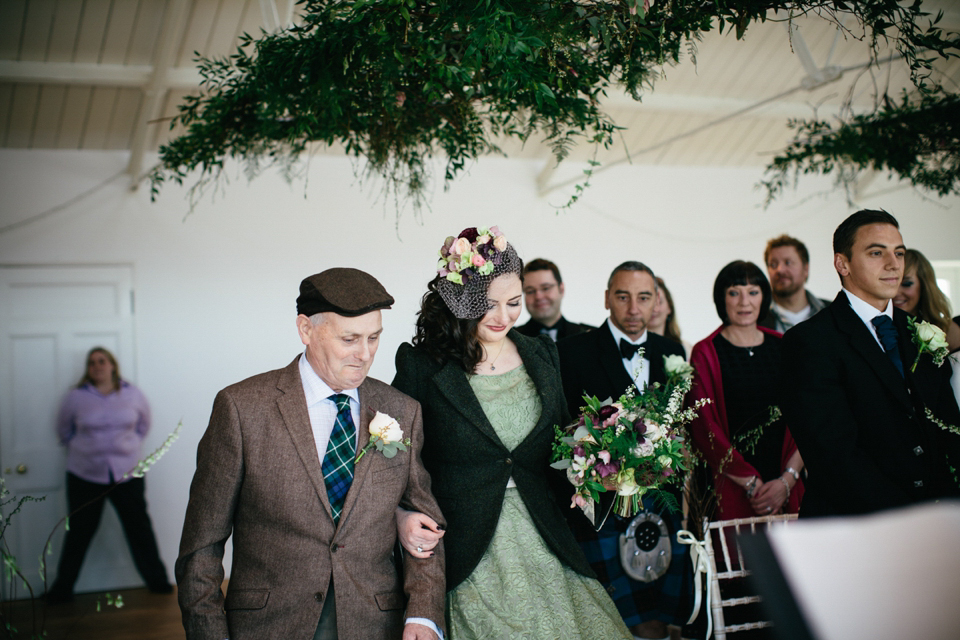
{"x": 414, "y": 631}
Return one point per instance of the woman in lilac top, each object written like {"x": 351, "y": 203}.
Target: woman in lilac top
{"x": 102, "y": 423}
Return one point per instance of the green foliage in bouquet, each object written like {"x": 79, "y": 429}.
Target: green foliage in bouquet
{"x": 636, "y": 446}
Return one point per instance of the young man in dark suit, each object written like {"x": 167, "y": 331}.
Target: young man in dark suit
{"x": 856, "y": 409}
{"x": 543, "y": 292}
{"x": 603, "y": 363}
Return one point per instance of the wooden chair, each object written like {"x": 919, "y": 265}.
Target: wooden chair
{"x": 728, "y": 564}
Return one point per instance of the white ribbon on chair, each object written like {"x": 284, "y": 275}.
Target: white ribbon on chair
{"x": 701, "y": 566}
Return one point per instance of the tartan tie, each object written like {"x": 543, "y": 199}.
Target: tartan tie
{"x": 887, "y": 332}
{"x": 337, "y": 464}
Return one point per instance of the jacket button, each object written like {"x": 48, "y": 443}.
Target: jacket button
{"x": 334, "y": 547}
{"x": 918, "y": 483}
{"x": 318, "y": 596}
{"x": 917, "y": 451}
{"x": 509, "y": 461}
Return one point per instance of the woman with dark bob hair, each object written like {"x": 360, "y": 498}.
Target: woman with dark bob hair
{"x": 490, "y": 399}
{"x": 751, "y": 454}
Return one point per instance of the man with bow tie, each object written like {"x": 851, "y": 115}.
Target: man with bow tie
{"x": 313, "y": 527}
{"x": 855, "y": 406}
{"x": 603, "y": 363}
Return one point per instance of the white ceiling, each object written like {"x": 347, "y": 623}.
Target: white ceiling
{"x": 108, "y": 74}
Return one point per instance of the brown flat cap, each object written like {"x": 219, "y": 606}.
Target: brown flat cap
{"x": 347, "y": 292}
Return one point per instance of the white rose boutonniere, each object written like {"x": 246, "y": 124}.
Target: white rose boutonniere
{"x": 929, "y": 339}
{"x": 386, "y": 435}
{"x": 677, "y": 366}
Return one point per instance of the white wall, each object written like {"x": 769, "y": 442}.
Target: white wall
{"x": 215, "y": 289}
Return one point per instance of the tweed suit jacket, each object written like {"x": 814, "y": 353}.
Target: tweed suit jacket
{"x": 259, "y": 479}
{"x": 859, "y": 426}
{"x": 469, "y": 464}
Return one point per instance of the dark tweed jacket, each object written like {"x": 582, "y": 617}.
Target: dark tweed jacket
{"x": 469, "y": 464}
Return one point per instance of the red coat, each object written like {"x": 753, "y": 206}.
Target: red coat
{"x": 711, "y": 436}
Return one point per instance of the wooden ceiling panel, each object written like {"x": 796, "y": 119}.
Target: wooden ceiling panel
{"x": 126, "y": 113}
{"x": 93, "y": 25}
{"x": 64, "y": 32}
{"x": 6, "y": 101}
{"x": 23, "y": 110}
{"x": 76, "y": 104}
{"x": 49, "y": 114}
{"x": 223, "y": 40}
{"x": 97, "y": 126}
{"x": 200, "y": 24}
{"x": 119, "y": 29}
{"x": 146, "y": 29}
{"x": 12, "y": 13}
{"x": 36, "y": 30}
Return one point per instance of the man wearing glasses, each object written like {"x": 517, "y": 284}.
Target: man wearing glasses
{"x": 543, "y": 293}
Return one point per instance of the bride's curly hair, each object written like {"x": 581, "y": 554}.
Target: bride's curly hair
{"x": 444, "y": 336}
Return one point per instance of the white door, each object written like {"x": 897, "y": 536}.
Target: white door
{"x": 49, "y": 318}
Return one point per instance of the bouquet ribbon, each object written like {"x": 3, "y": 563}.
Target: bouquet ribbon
{"x": 701, "y": 566}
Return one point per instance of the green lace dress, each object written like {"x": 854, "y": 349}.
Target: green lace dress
{"x": 520, "y": 590}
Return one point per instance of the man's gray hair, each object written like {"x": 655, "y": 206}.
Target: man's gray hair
{"x": 632, "y": 265}
{"x": 318, "y": 318}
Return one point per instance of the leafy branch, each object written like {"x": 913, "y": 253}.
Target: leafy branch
{"x": 398, "y": 82}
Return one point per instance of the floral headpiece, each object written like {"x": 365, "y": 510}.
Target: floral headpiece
{"x": 468, "y": 263}
{"x": 474, "y": 252}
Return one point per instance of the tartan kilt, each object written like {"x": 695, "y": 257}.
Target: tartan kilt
{"x": 667, "y": 599}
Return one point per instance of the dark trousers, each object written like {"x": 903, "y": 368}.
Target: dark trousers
{"x": 131, "y": 505}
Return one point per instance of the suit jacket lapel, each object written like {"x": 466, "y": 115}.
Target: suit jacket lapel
{"x": 293, "y": 408}
{"x": 863, "y": 342}
{"x": 653, "y": 353}
{"x": 452, "y": 383}
{"x": 611, "y": 360}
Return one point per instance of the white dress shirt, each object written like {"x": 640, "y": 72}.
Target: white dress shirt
{"x": 637, "y": 367}
{"x": 867, "y": 312}
{"x": 323, "y": 410}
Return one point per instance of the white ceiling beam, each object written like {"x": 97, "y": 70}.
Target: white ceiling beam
{"x": 104, "y": 75}
{"x": 171, "y": 33}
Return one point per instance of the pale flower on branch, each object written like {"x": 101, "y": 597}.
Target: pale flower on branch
{"x": 144, "y": 465}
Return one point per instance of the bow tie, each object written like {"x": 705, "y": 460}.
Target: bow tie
{"x": 628, "y": 349}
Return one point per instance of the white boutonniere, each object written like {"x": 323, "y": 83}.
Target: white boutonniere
{"x": 677, "y": 366}
{"x": 386, "y": 435}
{"x": 929, "y": 339}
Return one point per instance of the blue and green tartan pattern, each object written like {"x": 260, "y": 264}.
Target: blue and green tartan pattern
{"x": 337, "y": 464}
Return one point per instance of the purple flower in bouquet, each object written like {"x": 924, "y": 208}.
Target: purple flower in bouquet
{"x": 606, "y": 467}
{"x": 470, "y": 234}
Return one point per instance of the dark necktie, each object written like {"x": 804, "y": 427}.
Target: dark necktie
{"x": 628, "y": 349}
{"x": 550, "y": 332}
{"x": 337, "y": 464}
{"x": 887, "y": 333}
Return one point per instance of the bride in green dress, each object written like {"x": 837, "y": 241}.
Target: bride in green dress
{"x": 490, "y": 399}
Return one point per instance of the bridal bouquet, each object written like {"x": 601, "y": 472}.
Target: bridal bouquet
{"x": 635, "y": 446}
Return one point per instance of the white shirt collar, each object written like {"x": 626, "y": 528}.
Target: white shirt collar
{"x": 315, "y": 389}
{"x": 618, "y": 335}
{"x": 867, "y": 311}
